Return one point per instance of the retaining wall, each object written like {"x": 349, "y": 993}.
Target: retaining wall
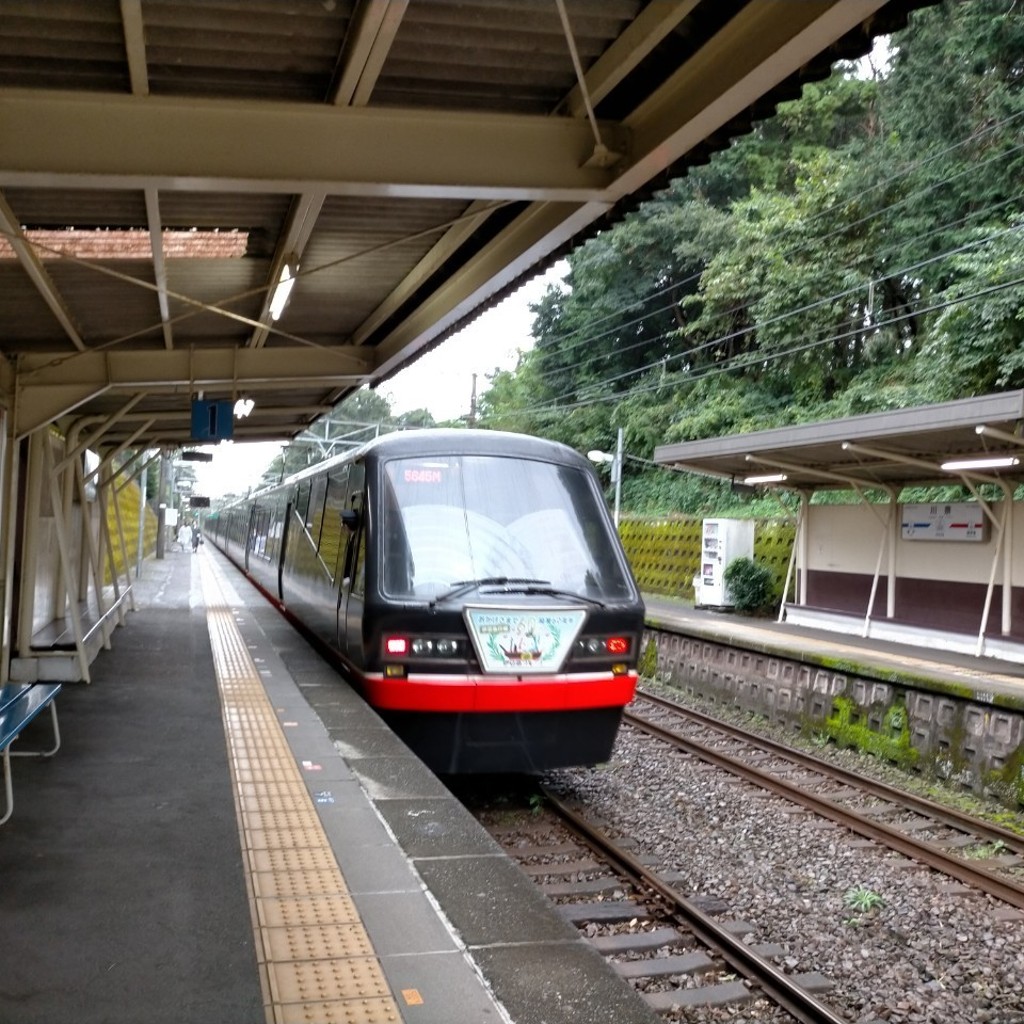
{"x": 974, "y": 739}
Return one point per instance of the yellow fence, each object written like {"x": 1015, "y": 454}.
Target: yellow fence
{"x": 128, "y": 504}
{"x": 665, "y": 553}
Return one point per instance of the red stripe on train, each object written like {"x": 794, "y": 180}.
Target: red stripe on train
{"x": 483, "y": 693}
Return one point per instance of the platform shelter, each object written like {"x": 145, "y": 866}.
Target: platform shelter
{"x": 926, "y": 550}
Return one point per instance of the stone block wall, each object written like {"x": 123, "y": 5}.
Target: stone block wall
{"x": 967, "y": 738}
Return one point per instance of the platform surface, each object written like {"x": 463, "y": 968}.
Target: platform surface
{"x": 230, "y": 836}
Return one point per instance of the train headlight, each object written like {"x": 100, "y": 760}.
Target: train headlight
{"x": 616, "y": 646}
{"x": 425, "y": 647}
{"x": 396, "y": 646}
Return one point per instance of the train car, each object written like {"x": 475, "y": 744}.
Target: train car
{"x": 469, "y": 583}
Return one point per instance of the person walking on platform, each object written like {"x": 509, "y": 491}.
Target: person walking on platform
{"x": 197, "y": 538}
{"x": 184, "y": 536}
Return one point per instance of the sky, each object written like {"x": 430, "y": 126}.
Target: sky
{"x": 441, "y": 382}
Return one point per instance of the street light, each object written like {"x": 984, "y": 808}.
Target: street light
{"x": 616, "y": 464}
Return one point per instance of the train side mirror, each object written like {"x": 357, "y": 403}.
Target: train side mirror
{"x": 350, "y": 519}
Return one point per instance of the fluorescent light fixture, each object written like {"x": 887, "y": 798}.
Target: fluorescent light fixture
{"x": 596, "y": 456}
{"x": 243, "y": 407}
{"x": 981, "y": 462}
{"x": 765, "y": 478}
{"x": 282, "y": 290}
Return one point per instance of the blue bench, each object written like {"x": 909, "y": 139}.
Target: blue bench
{"x": 19, "y": 704}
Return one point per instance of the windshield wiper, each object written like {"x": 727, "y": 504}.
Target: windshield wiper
{"x": 555, "y": 592}
{"x": 460, "y": 587}
{"x": 513, "y": 585}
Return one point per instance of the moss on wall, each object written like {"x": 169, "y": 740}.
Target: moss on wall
{"x": 1008, "y": 782}
{"x": 849, "y": 728}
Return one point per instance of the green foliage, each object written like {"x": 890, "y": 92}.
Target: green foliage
{"x": 862, "y": 899}
{"x": 749, "y": 584}
{"x": 859, "y": 251}
{"x": 648, "y": 664}
{"x": 848, "y": 726}
{"x": 985, "y": 851}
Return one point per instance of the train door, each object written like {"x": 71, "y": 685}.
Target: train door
{"x": 247, "y": 540}
{"x": 352, "y": 567}
{"x": 282, "y": 558}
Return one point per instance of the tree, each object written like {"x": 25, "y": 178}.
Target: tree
{"x": 856, "y": 252}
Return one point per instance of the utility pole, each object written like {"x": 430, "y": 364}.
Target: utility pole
{"x": 471, "y": 419}
{"x": 617, "y": 476}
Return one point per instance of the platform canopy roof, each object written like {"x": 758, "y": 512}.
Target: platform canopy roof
{"x": 977, "y": 439}
{"x": 408, "y": 163}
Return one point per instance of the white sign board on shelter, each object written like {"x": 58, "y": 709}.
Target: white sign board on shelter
{"x": 963, "y": 520}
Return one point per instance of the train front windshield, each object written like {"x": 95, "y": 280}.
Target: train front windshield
{"x": 449, "y": 519}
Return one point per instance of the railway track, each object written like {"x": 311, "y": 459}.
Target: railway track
{"x": 688, "y": 953}
{"x": 675, "y": 950}
{"x": 977, "y": 853}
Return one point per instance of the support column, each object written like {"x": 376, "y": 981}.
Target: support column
{"x": 1007, "y": 623}
{"x": 29, "y": 541}
{"x": 161, "y": 508}
{"x": 894, "y": 536}
{"x": 804, "y": 557}
{"x": 141, "y": 549}
{"x": 9, "y": 478}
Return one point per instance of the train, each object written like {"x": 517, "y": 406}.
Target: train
{"x": 468, "y": 582}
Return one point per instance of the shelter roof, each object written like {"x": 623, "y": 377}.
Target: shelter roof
{"x": 887, "y": 449}
{"x": 408, "y": 162}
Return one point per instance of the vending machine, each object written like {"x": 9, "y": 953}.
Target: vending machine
{"x": 722, "y": 541}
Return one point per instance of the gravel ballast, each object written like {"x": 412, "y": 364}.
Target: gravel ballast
{"x": 915, "y": 947}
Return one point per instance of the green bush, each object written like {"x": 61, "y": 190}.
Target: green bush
{"x": 749, "y": 584}
{"x": 648, "y": 665}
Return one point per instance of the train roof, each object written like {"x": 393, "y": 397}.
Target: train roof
{"x": 469, "y": 441}
{"x": 438, "y": 441}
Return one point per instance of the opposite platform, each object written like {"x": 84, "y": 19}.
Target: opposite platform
{"x": 229, "y": 834}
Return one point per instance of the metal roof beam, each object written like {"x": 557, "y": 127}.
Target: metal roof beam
{"x": 184, "y": 414}
{"x": 538, "y": 231}
{"x": 49, "y": 388}
{"x": 641, "y": 36}
{"x": 135, "y": 46}
{"x": 370, "y": 37}
{"x": 825, "y": 475}
{"x": 68, "y": 139}
{"x": 886, "y": 455}
{"x": 156, "y": 244}
{"x": 33, "y": 266}
{"x": 298, "y": 227}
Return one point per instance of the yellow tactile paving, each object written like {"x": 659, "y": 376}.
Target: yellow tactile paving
{"x": 317, "y": 962}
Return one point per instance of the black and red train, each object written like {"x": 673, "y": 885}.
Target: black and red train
{"x": 469, "y": 583}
